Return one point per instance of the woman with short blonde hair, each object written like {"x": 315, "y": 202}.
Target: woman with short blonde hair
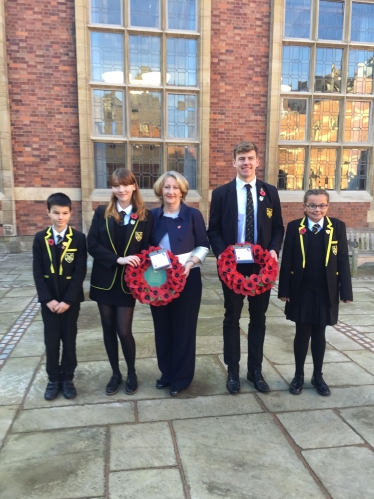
{"x": 182, "y": 183}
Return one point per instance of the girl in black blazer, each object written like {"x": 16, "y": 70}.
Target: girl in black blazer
{"x": 314, "y": 271}
{"x": 118, "y": 231}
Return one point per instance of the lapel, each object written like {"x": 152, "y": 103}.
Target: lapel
{"x": 232, "y": 199}
{"x": 260, "y": 205}
{"x": 130, "y": 231}
{"x": 51, "y": 253}
{"x": 66, "y": 244}
{"x": 329, "y": 231}
{"x": 109, "y": 222}
{"x": 303, "y": 234}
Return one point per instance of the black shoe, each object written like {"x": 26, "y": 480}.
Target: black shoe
{"x": 320, "y": 385}
{"x": 161, "y": 384}
{"x": 175, "y": 390}
{"x": 233, "y": 382}
{"x": 68, "y": 389}
{"x": 258, "y": 381}
{"x": 131, "y": 384}
{"x": 113, "y": 386}
{"x": 52, "y": 390}
{"x": 296, "y": 386}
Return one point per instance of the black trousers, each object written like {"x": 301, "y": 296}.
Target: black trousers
{"x": 175, "y": 333}
{"x": 257, "y": 307}
{"x": 60, "y": 328}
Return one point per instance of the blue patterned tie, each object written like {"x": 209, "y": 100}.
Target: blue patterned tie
{"x": 249, "y": 217}
{"x": 59, "y": 241}
{"x": 315, "y": 228}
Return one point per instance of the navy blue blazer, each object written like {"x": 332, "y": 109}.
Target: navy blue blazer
{"x": 186, "y": 232}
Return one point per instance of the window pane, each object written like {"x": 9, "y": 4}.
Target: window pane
{"x": 293, "y": 119}
{"x": 322, "y": 168}
{"x": 182, "y": 14}
{"x": 354, "y": 169}
{"x": 295, "y": 68}
{"x": 181, "y": 62}
{"x": 330, "y": 22}
{"x": 182, "y": 116}
{"x": 108, "y": 157}
{"x": 183, "y": 159}
{"x": 108, "y": 112}
{"x": 297, "y": 22}
{"x": 325, "y": 121}
{"x": 291, "y": 168}
{"x": 145, "y": 13}
{"x": 328, "y": 70}
{"x": 106, "y": 12}
{"x": 107, "y": 57}
{"x": 357, "y": 121}
{"x": 146, "y": 164}
{"x": 360, "y": 72}
{"x": 362, "y": 22}
{"x": 145, "y": 114}
{"x": 145, "y": 57}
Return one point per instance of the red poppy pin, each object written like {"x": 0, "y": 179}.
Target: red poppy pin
{"x": 133, "y": 218}
{"x": 302, "y": 230}
{"x": 51, "y": 242}
{"x": 262, "y": 194}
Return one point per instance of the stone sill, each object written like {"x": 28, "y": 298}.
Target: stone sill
{"x": 103, "y": 195}
{"x": 335, "y": 197}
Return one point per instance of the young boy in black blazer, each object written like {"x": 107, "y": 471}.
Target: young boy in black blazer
{"x": 59, "y": 267}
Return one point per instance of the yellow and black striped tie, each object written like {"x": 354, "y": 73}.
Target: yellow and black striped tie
{"x": 249, "y": 217}
{"x": 315, "y": 228}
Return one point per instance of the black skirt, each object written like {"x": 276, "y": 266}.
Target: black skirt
{"x": 114, "y": 296}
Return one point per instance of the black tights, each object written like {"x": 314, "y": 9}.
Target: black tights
{"x": 318, "y": 345}
{"x": 118, "y": 320}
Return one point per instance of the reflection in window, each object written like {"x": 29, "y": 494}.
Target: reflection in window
{"x": 145, "y": 60}
{"x": 354, "y": 169}
{"x": 291, "y": 168}
{"x": 181, "y": 61}
{"x": 146, "y": 164}
{"x": 330, "y": 22}
{"x": 362, "y": 27}
{"x": 295, "y": 68}
{"x": 357, "y": 121}
{"x": 107, "y": 57}
{"x": 181, "y": 116}
{"x": 328, "y": 69}
{"x": 106, "y": 12}
{"x": 183, "y": 159}
{"x": 322, "y": 168}
{"x": 325, "y": 120}
{"x": 182, "y": 14}
{"x": 145, "y": 114}
{"x": 293, "y": 119}
{"x": 360, "y": 72}
{"x": 145, "y": 13}
{"x": 108, "y": 112}
{"x": 108, "y": 157}
{"x": 297, "y": 21}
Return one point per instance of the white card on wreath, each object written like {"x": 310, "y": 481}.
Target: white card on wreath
{"x": 243, "y": 254}
{"x": 160, "y": 259}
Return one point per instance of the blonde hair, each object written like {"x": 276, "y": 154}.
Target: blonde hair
{"x": 182, "y": 183}
{"x": 123, "y": 176}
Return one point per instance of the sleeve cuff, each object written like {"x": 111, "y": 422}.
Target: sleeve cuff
{"x": 200, "y": 252}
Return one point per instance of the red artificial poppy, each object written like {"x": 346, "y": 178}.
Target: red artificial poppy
{"x": 155, "y": 293}
{"x": 249, "y": 285}
{"x": 302, "y": 230}
{"x": 238, "y": 279}
{"x": 145, "y": 297}
{"x": 51, "y": 242}
{"x": 134, "y": 216}
{"x": 262, "y": 192}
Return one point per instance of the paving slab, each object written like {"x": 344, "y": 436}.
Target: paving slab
{"x": 363, "y": 358}
{"x": 340, "y": 340}
{"x": 8, "y": 305}
{"x": 354, "y": 308}
{"x": 143, "y": 326}
{"x": 273, "y": 378}
{"x": 32, "y": 342}
{"x": 212, "y": 326}
{"x": 7, "y": 414}
{"x": 15, "y": 377}
{"x": 26, "y": 292}
{"x": 214, "y": 344}
{"x": 146, "y": 484}
{"x": 3, "y": 292}
{"x": 362, "y": 319}
{"x": 361, "y": 419}
{"x": 7, "y": 320}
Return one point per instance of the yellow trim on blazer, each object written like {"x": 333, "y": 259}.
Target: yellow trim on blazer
{"x": 69, "y": 277}
{"x": 124, "y": 254}
{"x": 68, "y": 235}
{"x": 46, "y": 276}
{"x": 302, "y": 226}
{"x": 49, "y": 235}
{"x": 329, "y": 226}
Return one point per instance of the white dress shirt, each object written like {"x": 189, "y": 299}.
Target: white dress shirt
{"x": 320, "y": 223}
{"x": 55, "y": 234}
{"x": 241, "y": 193}
{"x": 128, "y": 211}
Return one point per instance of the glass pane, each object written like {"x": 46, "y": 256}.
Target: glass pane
{"x": 354, "y": 169}
{"x": 183, "y": 159}
{"x": 106, "y": 12}
{"x": 108, "y": 157}
{"x": 145, "y": 114}
{"x": 107, "y": 57}
{"x": 295, "y": 68}
{"x": 146, "y": 164}
{"x": 297, "y": 22}
{"x": 145, "y": 13}
{"x": 360, "y": 72}
{"x": 181, "y": 62}
{"x": 357, "y": 121}
{"x": 325, "y": 120}
{"x": 362, "y": 27}
{"x": 322, "y": 168}
{"x": 182, "y": 116}
{"x": 108, "y": 112}
{"x": 291, "y": 168}
{"x": 330, "y": 22}
{"x": 145, "y": 60}
{"x": 328, "y": 69}
{"x": 182, "y": 14}
{"x": 293, "y": 119}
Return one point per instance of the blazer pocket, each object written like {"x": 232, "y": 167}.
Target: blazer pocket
{"x": 46, "y": 276}
{"x": 68, "y": 277}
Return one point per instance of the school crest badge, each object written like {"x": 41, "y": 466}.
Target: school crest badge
{"x": 269, "y": 212}
{"x": 334, "y": 249}
{"x": 69, "y": 257}
{"x": 138, "y": 236}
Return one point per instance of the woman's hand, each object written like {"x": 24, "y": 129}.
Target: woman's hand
{"x": 188, "y": 266}
{"x": 275, "y": 256}
{"x": 132, "y": 260}
{"x": 283, "y": 298}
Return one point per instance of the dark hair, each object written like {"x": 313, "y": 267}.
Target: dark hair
{"x": 316, "y": 192}
{"x": 58, "y": 199}
{"x": 245, "y": 147}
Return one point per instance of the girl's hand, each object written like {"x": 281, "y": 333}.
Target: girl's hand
{"x": 283, "y": 298}
{"x": 132, "y": 260}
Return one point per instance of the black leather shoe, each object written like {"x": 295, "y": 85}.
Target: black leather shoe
{"x": 161, "y": 384}
{"x": 131, "y": 384}
{"x": 52, "y": 390}
{"x": 175, "y": 390}
{"x": 68, "y": 389}
{"x": 320, "y": 385}
{"x": 233, "y": 382}
{"x": 258, "y": 381}
{"x": 296, "y": 386}
{"x": 113, "y": 386}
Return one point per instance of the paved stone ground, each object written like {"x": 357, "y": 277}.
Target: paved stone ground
{"x": 204, "y": 444}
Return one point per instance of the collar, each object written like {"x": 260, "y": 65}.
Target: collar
{"x": 182, "y": 212}
{"x": 240, "y": 183}
{"x": 62, "y": 233}
{"x": 128, "y": 210}
{"x": 320, "y": 223}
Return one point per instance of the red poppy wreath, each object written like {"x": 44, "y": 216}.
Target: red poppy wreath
{"x": 155, "y": 287}
{"x": 255, "y": 284}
